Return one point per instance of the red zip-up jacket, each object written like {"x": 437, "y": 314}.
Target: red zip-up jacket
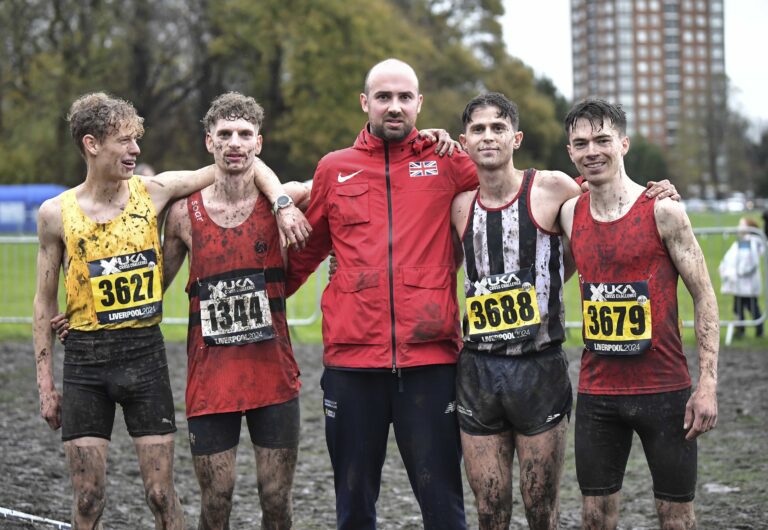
{"x": 385, "y": 209}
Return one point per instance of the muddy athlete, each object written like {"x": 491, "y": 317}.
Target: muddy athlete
{"x": 390, "y": 317}
{"x": 629, "y": 251}
{"x": 240, "y": 360}
{"x": 513, "y": 390}
{"x": 104, "y": 235}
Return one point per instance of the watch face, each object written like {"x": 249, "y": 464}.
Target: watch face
{"x": 283, "y": 201}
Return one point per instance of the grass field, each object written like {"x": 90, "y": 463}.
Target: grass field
{"x": 17, "y": 284}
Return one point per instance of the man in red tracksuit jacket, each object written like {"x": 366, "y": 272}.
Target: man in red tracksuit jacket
{"x": 390, "y": 318}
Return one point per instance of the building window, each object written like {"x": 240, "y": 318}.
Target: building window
{"x": 625, "y": 84}
{"x": 625, "y": 69}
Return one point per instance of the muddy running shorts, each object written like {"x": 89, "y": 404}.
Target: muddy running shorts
{"x": 272, "y": 427}
{"x": 125, "y": 366}
{"x": 604, "y": 430}
{"x": 528, "y": 394}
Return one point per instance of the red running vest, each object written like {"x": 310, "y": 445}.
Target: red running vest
{"x": 237, "y": 277}
{"x": 626, "y": 251}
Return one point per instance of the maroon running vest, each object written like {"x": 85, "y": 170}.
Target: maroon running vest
{"x": 629, "y": 304}
{"x": 239, "y": 350}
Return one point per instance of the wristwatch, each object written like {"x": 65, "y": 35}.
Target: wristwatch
{"x": 282, "y": 201}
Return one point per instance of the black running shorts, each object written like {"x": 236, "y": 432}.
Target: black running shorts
{"x": 125, "y": 366}
{"x": 528, "y": 394}
{"x": 273, "y": 427}
{"x": 604, "y": 429}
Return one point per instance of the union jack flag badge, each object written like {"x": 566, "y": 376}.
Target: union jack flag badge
{"x": 427, "y": 168}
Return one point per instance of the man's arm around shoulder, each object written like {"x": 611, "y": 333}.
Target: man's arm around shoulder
{"x": 677, "y": 234}
{"x": 177, "y": 240}
{"x": 169, "y": 185}
{"x": 557, "y": 187}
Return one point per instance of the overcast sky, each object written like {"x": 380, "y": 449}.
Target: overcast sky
{"x": 538, "y": 32}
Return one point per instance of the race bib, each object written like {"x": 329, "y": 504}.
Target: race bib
{"x": 617, "y": 317}
{"x": 235, "y": 310}
{"x": 126, "y": 287}
{"x": 503, "y": 307}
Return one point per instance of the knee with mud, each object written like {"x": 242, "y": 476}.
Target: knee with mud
{"x": 218, "y": 502}
{"x": 160, "y": 500}
{"x": 276, "y": 506}
{"x": 90, "y": 502}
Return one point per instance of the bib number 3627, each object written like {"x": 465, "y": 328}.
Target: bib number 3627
{"x": 126, "y": 287}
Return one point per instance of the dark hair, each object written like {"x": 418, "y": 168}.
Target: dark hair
{"x": 233, "y": 106}
{"x": 101, "y": 115}
{"x": 597, "y": 111}
{"x": 506, "y": 108}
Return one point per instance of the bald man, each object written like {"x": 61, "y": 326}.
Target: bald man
{"x": 390, "y": 317}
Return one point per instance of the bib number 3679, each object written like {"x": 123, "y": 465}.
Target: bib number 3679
{"x": 617, "y": 317}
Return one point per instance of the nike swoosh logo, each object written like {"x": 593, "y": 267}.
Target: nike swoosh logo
{"x": 346, "y": 178}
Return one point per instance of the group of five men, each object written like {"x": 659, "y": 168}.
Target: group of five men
{"x": 393, "y": 210}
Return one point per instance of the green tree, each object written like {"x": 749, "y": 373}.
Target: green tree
{"x": 645, "y": 161}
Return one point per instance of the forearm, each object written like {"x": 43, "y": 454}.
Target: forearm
{"x": 267, "y": 181}
{"x": 176, "y": 184}
{"x": 42, "y": 338}
{"x": 707, "y": 329}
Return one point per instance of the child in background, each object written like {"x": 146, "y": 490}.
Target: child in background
{"x": 740, "y": 274}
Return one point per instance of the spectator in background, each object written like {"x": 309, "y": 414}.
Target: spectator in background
{"x": 765, "y": 222}
{"x": 740, "y": 274}
{"x": 145, "y": 170}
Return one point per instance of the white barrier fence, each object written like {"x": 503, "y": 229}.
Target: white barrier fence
{"x": 17, "y": 288}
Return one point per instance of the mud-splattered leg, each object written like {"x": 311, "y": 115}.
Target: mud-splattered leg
{"x": 216, "y": 476}
{"x": 600, "y": 512}
{"x": 87, "y": 459}
{"x": 156, "y": 464}
{"x": 275, "y": 471}
{"x": 676, "y": 515}
{"x": 541, "y": 460}
{"x": 488, "y": 462}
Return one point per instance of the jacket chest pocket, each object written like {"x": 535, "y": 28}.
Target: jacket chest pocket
{"x": 350, "y": 204}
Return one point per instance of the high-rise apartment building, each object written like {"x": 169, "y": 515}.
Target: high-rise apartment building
{"x": 663, "y": 60}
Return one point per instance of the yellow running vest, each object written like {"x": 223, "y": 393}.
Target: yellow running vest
{"x": 114, "y": 276}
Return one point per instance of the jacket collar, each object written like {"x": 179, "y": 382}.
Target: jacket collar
{"x": 410, "y": 145}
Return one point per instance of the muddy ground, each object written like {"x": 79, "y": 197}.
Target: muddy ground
{"x": 733, "y": 467}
